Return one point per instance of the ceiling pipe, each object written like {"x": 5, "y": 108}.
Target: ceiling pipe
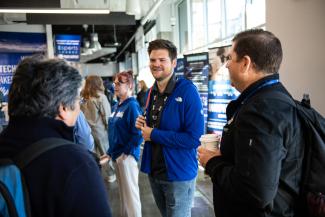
{"x": 143, "y": 21}
{"x": 151, "y": 12}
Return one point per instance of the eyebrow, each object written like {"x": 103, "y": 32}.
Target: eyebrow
{"x": 163, "y": 58}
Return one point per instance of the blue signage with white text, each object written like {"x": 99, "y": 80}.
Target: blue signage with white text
{"x": 68, "y": 47}
{"x": 14, "y": 46}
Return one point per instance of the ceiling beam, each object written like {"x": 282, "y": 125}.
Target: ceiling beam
{"x": 113, "y": 18}
{"x": 30, "y": 4}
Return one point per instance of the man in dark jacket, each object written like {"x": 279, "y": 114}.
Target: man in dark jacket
{"x": 258, "y": 166}
{"x": 44, "y": 102}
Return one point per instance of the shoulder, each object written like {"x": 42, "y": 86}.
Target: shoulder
{"x": 265, "y": 106}
{"x": 102, "y": 97}
{"x": 133, "y": 104}
{"x": 69, "y": 157}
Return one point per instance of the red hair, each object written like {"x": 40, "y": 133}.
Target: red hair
{"x": 125, "y": 77}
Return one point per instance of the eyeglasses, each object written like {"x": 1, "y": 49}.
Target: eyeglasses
{"x": 81, "y": 100}
{"x": 228, "y": 57}
{"x": 119, "y": 83}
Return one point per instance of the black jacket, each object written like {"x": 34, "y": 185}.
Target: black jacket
{"x": 62, "y": 182}
{"x": 261, "y": 143}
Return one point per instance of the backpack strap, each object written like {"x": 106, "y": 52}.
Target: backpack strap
{"x": 23, "y": 158}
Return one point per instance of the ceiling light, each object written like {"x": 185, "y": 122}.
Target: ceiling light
{"x": 94, "y": 43}
{"x": 56, "y": 11}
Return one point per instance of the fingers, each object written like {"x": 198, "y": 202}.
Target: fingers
{"x": 140, "y": 122}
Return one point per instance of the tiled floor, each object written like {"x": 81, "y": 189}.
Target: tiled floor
{"x": 202, "y": 206}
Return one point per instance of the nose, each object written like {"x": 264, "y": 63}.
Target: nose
{"x": 155, "y": 63}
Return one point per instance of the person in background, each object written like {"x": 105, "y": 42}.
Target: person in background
{"x": 259, "y": 163}
{"x": 171, "y": 129}
{"x": 141, "y": 96}
{"x": 97, "y": 110}
{"x": 125, "y": 142}
{"x": 82, "y": 132}
{"x": 44, "y": 103}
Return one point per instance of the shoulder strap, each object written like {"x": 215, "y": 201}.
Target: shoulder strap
{"x": 23, "y": 158}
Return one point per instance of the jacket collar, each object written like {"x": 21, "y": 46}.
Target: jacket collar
{"x": 248, "y": 92}
{"x": 170, "y": 86}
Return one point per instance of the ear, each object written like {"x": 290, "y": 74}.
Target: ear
{"x": 63, "y": 114}
{"x": 174, "y": 62}
{"x": 246, "y": 63}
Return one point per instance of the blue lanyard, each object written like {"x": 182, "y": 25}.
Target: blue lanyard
{"x": 266, "y": 84}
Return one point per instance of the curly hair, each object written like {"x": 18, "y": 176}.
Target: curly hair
{"x": 41, "y": 85}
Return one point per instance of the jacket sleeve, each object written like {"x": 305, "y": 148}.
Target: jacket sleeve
{"x": 135, "y": 137}
{"x": 193, "y": 127}
{"x": 83, "y": 132}
{"x": 106, "y": 107}
{"x": 258, "y": 139}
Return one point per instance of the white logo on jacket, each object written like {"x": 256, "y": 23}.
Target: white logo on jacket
{"x": 119, "y": 114}
{"x": 179, "y": 99}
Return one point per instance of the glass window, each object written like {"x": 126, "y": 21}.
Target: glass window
{"x": 198, "y": 27}
{"x": 214, "y": 20}
{"x": 235, "y": 17}
{"x": 183, "y": 26}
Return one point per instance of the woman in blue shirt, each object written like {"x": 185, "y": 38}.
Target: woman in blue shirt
{"x": 125, "y": 140}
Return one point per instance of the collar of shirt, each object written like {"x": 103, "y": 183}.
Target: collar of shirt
{"x": 170, "y": 86}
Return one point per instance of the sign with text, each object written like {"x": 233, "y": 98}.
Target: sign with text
{"x": 14, "y": 46}
{"x": 220, "y": 90}
{"x": 196, "y": 69}
{"x": 68, "y": 47}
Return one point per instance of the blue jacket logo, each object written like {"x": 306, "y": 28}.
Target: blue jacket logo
{"x": 179, "y": 99}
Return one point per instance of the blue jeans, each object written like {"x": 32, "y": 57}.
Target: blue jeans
{"x": 174, "y": 199}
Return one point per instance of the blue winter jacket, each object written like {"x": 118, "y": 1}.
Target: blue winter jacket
{"x": 123, "y": 136}
{"x": 180, "y": 128}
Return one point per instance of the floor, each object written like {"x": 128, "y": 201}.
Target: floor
{"x": 202, "y": 206}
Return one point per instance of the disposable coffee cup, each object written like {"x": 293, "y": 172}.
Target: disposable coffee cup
{"x": 210, "y": 141}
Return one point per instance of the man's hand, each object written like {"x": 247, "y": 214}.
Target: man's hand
{"x": 104, "y": 159}
{"x": 146, "y": 132}
{"x": 205, "y": 155}
{"x": 140, "y": 122}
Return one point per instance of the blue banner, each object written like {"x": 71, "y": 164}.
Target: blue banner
{"x": 220, "y": 94}
{"x": 196, "y": 69}
{"x": 17, "y": 42}
{"x": 179, "y": 69}
{"x": 13, "y": 47}
{"x": 68, "y": 47}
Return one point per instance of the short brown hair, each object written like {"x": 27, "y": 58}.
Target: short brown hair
{"x": 163, "y": 44}
{"x": 262, "y": 47}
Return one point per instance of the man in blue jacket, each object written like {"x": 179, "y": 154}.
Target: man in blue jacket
{"x": 171, "y": 128}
